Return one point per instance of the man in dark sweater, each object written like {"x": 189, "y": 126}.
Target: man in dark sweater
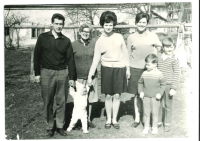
{"x": 53, "y": 62}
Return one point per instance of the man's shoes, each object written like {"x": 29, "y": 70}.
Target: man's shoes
{"x": 167, "y": 128}
{"x": 135, "y": 124}
{"x": 50, "y": 133}
{"x": 90, "y": 124}
{"x": 61, "y": 132}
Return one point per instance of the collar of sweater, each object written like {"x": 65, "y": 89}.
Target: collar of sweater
{"x": 56, "y": 35}
{"x": 84, "y": 42}
{"x": 106, "y": 35}
{"x": 143, "y": 33}
{"x": 164, "y": 56}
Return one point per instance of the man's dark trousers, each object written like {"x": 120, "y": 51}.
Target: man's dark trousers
{"x": 54, "y": 93}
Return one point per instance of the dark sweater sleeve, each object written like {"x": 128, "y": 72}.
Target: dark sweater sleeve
{"x": 141, "y": 84}
{"x": 70, "y": 61}
{"x": 176, "y": 74}
{"x": 162, "y": 84}
{"x": 37, "y": 56}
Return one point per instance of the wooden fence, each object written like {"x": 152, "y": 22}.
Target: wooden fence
{"x": 95, "y": 27}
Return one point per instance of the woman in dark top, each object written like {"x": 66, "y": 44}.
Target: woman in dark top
{"x": 83, "y": 50}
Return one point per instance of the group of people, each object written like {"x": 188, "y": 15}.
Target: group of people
{"x": 137, "y": 68}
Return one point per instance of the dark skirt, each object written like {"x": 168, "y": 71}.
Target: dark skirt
{"x": 113, "y": 80}
{"x": 133, "y": 81}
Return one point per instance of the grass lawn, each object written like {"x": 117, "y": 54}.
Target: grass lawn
{"x": 24, "y": 114}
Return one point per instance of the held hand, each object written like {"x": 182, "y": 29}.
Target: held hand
{"x": 128, "y": 74}
{"x": 172, "y": 92}
{"x": 142, "y": 95}
{"x": 158, "y": 96}
{"x": 71, "y": 83}
{"x": 37, "y": 79}
{"x": 89, "y": 81}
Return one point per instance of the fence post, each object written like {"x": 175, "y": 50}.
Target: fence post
{"x": 32, "y": 75}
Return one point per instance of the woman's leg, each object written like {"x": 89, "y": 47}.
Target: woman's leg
{"x": 89, "y": 113}
{"x": 115, "y": 105}
{"x": 108, "y": 105}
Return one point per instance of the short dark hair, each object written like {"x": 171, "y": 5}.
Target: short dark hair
{"x": 141, "y": 15}
{"x": 168, "y": 41}
{"x": 151, "y": 58}
{"x": 107, "y": 17}
{"x": 57, "y": 16}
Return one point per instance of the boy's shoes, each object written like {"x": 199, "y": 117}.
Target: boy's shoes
{"x": 61, "y": 132}
{"x": 154, "y": 131}
{"x": 90, "y": 124}
{"x": 135, "y": 124}
{"x": 50, "y": 133}
{"x": 167, "y": 128}
{"x": 86, "y": 131}
{"x": 146, "y": 130}
{"x": 159, "y": 124}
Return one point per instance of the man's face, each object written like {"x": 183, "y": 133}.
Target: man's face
{"x": 85, "y": 34}
{"x": 58, "y": 25}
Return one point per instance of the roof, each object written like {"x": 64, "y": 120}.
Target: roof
{"x": 64, "y": 6}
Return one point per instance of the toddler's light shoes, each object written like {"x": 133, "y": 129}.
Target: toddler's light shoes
{"x": 146, "y": 130}
{"x": 154, "y": 131}
{"x": 86, "y": 132}
{"x": 69, "y": 129}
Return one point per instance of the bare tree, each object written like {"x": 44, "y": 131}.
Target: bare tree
{"x": 12, "y": 19}
{"x": 78, "y": 15}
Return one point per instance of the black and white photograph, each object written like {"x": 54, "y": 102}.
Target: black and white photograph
{"x": 100, "y": 70}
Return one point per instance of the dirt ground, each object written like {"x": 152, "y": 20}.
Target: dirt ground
{"x": 24, "y": 114}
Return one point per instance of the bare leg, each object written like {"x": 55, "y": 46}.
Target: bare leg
{"x": 108, "y": 105}
{"x": 116, "y": 104}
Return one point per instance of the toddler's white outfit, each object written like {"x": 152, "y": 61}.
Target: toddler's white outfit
{"x": 80, "y": 104}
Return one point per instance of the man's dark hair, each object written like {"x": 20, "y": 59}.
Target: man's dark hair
{"x": 57, "y": 16}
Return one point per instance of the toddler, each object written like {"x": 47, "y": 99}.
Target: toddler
{"x": 168, "y": 64}
{"x": 151, "y": 86}
{"x": 80, "y": 103}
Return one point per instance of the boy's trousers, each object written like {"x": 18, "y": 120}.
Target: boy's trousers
{"x": 54, "y": 93}
{"x": 151, "y": 105}
{"x": 167, "y": 102}
{"x": 79, "y": 114}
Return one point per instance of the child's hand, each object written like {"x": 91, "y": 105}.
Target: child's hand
{"x": 172, "y": 92}
{"x": 142, "y": 95}
{"x": 158, "y": 96}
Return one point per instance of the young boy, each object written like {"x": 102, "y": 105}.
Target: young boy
{"x": 168, "y": 64}
{"x": 80, "y": 104}
{"x": 151, "y": 87}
